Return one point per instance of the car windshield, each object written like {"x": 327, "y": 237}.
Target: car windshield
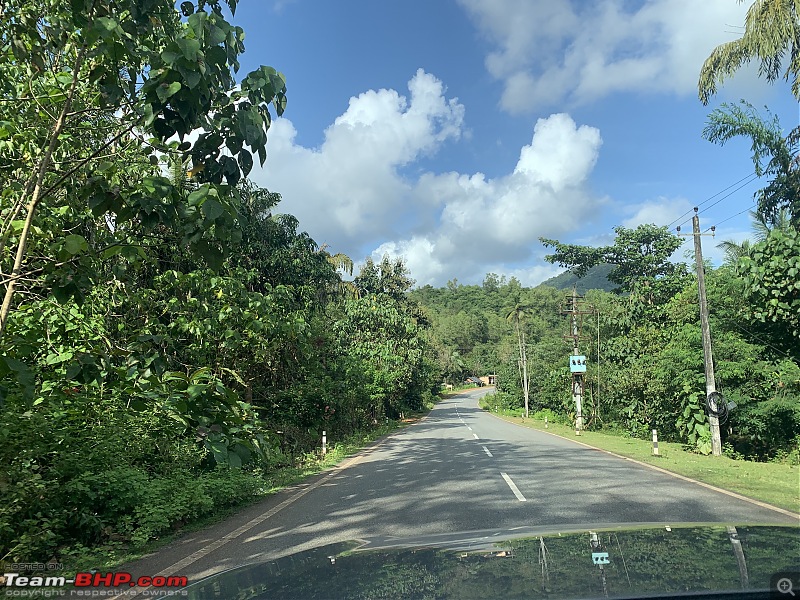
{"x": 294, "y": 281}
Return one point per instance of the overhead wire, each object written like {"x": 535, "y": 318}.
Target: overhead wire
{"x": 750, "y": 333}
{"x": 729, "y": 194}
{"x": 751, "y": 176}
{"x": 749, "y": 208}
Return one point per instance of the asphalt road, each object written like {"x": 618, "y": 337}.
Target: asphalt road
{"x": 460, "y": 469}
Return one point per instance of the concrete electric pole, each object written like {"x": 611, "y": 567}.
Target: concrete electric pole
{"x": 577, "y": 362}
{"x": 708, "y": 357}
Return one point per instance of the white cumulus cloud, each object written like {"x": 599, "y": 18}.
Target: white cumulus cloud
{"x": 354, "y": 192}
{"x": 490, "y": 222}
{"x": 660, "y": 211}
{"x": 349, "y": 188}
{"x": 574, "y": 51}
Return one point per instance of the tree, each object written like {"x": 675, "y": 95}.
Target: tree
{"x": 774, "y": 156}
{"x": 140, "y": 70}
{"x": 641, "y": 259}
{"x": 761, "y": 229}
{"x": 771, "y": 274}
{"x": 771, "y": 34}
{"x": 390, "y": 277}
{"x": 492, "y": 282}
{"x": 515, "y": 316}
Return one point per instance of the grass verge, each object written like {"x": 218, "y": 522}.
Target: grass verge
{"x": 112, "y": 555}
{"x": 774, "y": 483}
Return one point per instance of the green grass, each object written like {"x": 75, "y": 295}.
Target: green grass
{"x": 774, "y": 483}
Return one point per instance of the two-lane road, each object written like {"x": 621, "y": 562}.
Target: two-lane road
{"x": 460, "y": 469}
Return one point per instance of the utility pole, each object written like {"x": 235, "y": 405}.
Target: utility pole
{"x": 577, "y": 377}
{"x": 525, "y": 387}
{"x": 708, "y": 357}
{"x": 577, "y": 362}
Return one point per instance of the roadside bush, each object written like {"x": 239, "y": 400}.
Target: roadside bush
{"x": 766, "y": 430}
{"x": 552, "y": 416}
{"x": 173, "y": 501}
{"x": 503, "y": 402}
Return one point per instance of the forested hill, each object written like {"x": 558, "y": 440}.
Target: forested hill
{"x": 595, "y": 279}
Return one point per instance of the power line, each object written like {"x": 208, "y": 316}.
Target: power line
{"x": 688, "y": 212}
{"x": 689, "y": 220}
{"x": 749, "y": 208}
{"x": 751, "y": 334}
{"x": 729, "y": 194}
{"x": 710, "y": 198}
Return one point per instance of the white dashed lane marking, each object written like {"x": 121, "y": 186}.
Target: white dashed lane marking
{"x": 514, "y": 488}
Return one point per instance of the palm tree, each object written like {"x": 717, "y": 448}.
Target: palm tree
{"x": 771, "y": 32}
{"x": 515, "y": 316}
{"x": 761, "y": 228}
{"x": 341, "y": 262}
{"x": 734, "y": 251}
{"x": 774, "y": 155}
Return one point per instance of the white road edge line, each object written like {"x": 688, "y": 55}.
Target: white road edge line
{"x": 489, "y": 454}
{"x": 514, "y": 488}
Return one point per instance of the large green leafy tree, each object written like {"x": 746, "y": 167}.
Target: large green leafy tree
{"x": 769, "y": 267}
{"x": 641, "y": 259}
{"x": 772, "y": 279}
{"x": 142, "y": 73}
{"x": 383, "y": 328}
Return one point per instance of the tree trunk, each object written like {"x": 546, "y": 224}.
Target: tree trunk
{"x": 37, "y": 193}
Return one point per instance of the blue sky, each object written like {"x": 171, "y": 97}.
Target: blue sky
{"x": 455, "y": 133}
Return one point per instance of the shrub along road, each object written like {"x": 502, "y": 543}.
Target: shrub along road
{"x": 459, "y": 469}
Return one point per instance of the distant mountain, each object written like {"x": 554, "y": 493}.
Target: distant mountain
{"x": 596, "y": 278}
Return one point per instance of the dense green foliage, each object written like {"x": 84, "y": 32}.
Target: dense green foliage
{"x": 644, "y": 348}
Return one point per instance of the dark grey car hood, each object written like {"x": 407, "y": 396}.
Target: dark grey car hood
{"x": 598, "y": 562}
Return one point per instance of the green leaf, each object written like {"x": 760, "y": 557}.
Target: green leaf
{"x": 74, "y": 370}
{"x": 189, "y": 47}
{"x": 196, "y": 389}
{"x": 169, "y": 56}
{"x": 234, "y": 460}
{"x": 217, "y": 35}
{"x": 245, "y": 159}
{"x": 106, "y": 25}
{"x": 197, "y": 196}
{"x": 166, "y": 90}
{"x": 212, "y": 208}
{"x": 75, "y": 244}
{"x": 219, "y": 450}
{"x": 210, "y": 254}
